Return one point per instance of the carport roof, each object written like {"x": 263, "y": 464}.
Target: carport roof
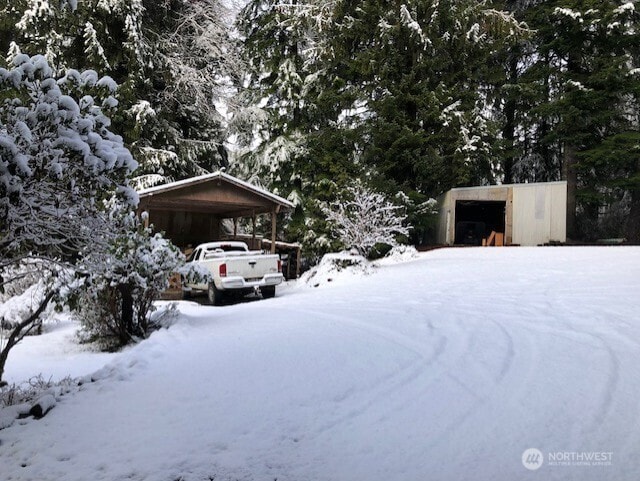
{"x": 218, "y": 194}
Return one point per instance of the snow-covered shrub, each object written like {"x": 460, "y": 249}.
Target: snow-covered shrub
{"x": 364, "y": 219}
{"x": 19, "y": 400}
{"x": 121, "y": 276}
{"x": 337, "y": 266}
{"x": 58, "y": 156}
{"x": 32, "y": 389}
{"x": 58, "y": 160}
{"x": 422, "y": 214}
{"x": 401, "y": 253}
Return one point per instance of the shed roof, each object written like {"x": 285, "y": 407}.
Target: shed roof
{"x": 523, "y": 185}
{"x": 219, "y": 193}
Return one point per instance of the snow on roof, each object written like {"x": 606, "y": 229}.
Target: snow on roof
{"x": 502, "y": 186}
{"x": 216, "y": 175}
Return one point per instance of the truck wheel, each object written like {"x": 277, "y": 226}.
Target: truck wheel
{"x": 268, "y": 291}
{"x": 186, "y": 292}
{"x": 215, "y": 296}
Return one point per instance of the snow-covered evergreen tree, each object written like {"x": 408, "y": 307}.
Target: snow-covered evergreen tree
{"x": 572, "y": 91}
{"x": 421, "y": 71}
{"x": 281, "y": 45}
{"x": 173, "y": 61}
{"x": 58, "y": 159}
{"x": 196, "y": 67}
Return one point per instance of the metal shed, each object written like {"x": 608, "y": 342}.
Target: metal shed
{"x": 517, "y": 214}
{"x": 191, "y": 211}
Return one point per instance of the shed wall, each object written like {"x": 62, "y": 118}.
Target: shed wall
{"x": 539, "y": 213}
{"x": 445, "y": 218}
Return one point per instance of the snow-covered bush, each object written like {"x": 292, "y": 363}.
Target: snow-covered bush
{"x": 58, "y": 160}
{"x": 364, "y": 219}
{"x": 33, "y": 397}
{"x": 120, "y": 277}
{"x": 336, "y": 267}
{"x": 30, "y": 390}
{"x": 401, "y": 253}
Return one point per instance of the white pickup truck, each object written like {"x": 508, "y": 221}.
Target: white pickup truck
{"x": 234, "y": 269}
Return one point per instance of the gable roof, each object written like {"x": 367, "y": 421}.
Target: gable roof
{"x": 214, "y": 176}
{"x": 182, "y": 194}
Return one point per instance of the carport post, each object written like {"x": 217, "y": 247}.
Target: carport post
{"x": 253, "y": 231}
{"x": 274, "y": 220}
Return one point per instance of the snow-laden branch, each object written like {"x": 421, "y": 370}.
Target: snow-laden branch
{"x": 408, "y": 21}
{"x": 316, "y": 13}
{"x": 199, "y": 56}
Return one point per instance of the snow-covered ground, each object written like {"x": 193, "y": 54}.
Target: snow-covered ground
{"x": 445, "y": 367}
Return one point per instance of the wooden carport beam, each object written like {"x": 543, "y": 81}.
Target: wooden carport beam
{"x": 253, "y": 231}
{"x": 274, "y": 221}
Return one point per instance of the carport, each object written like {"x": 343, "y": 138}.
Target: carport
{"x": 191, "y": 211}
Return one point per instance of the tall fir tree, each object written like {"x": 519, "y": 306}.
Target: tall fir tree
{"x": 392, "y": 92}
{"x": 576, "y": 87}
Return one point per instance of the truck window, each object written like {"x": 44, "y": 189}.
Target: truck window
{"x": 194, "y": 256}
{"x": 228, "y": 248}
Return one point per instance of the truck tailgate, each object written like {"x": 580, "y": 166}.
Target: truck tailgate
{"x": 252, "y": 267}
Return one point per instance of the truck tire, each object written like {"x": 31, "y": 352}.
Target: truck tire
{"x": 215, "y": 296}
{"x": 186, "y": 292}
{"x": 268, "y": 292}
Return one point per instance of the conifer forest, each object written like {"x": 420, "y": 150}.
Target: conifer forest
{"x": 410, "y": 98}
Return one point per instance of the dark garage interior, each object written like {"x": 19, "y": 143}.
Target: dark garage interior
{"x": 476, "y": 219}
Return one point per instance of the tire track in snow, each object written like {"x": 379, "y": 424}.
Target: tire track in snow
{"x": 608, "y": 392}
{"x": 395, "y": 383}
{"x": 417, "y": 377}
{"x": 386, "y": 334}
{"x": 511, "y": 352}
{"x": 603, "y": 330}
{"x": 575, "y": 332}
{"x": 498, "y": 388}
{"x": 586, "y": 426}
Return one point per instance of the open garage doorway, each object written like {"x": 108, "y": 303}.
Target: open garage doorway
{"x": 477, "y": 219}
